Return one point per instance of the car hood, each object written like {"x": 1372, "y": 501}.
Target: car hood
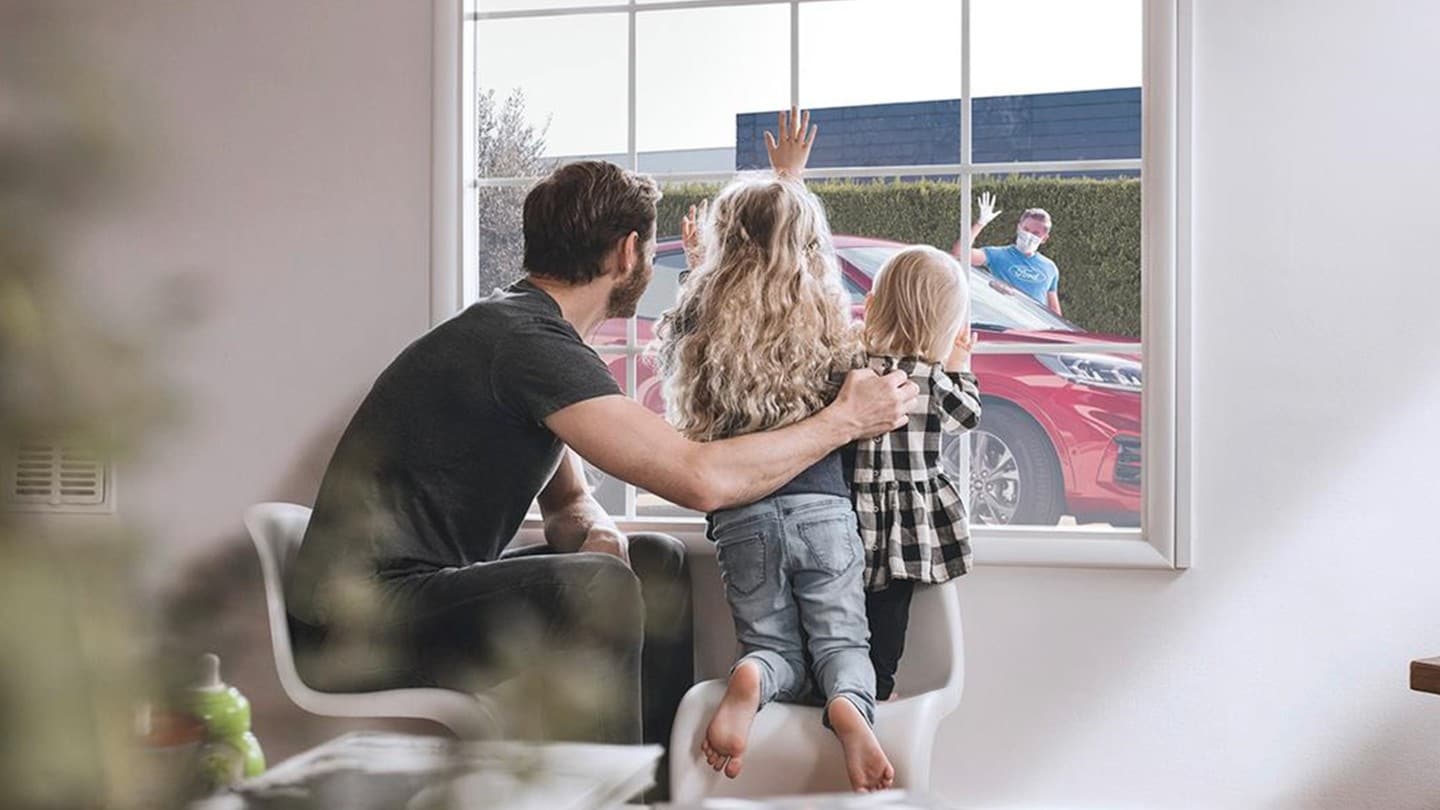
{"x": 1060, "y": 338}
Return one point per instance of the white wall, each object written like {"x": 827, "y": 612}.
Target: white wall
{"x": 283, "y": 164}
{"x": 294, "y": 179}
{"x": 1273, "y": 674}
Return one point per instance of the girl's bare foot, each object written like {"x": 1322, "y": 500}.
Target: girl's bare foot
{"x": 729, "y": 731}
{"x": 867, "y": 765}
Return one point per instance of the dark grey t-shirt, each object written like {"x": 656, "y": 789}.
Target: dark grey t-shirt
{"x": 443, "y": 458}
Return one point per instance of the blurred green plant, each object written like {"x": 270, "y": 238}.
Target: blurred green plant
{"x": 75, "y": 666}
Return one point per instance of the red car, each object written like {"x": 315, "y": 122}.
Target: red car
{"x": 1060, "y": 433}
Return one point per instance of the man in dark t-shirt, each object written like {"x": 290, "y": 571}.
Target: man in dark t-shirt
{"x": 404, "y": 577}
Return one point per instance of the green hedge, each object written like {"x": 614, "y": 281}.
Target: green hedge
{"x": 1095, "y": 240}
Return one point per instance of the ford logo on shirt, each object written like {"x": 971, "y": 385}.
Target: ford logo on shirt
{"x": 1025, "y": 273}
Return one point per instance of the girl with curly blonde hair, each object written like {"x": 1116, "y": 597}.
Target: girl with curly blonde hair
{"x": 760, "y": 338}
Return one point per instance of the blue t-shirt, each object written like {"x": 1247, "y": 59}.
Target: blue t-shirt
{"x": 1033, "y": 275}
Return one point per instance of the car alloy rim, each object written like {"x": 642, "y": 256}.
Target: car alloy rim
{"x": 994, "y": 479}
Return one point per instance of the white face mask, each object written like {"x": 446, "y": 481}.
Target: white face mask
{"x": 1027, "y": 242}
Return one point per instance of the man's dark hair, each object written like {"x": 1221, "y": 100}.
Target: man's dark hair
{"x": 577, "y": 214}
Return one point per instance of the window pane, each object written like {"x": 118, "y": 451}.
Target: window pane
{"x": 698, "y": 71}
{"x": 616, "y": 363}
{"x": 571, "y": 113}
{"x": 1094, "y": 241}
{"x": 883, "y": 80}
{"x": 663, "y": 293}
{"x": 1059, "y": 442}
{"x": 1059, "y": 439}
{"x": 499, "y": 247}
{"x": 532, "y": 5}
{"x": 1056, "y": 79}
{"x": 664, "y": 288}
{"x": 608, "y": 490}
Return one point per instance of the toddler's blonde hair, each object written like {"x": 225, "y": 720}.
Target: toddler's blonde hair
{"x": 920, "y": 302}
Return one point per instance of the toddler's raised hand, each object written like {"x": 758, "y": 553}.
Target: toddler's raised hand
{"x": 959, "y": 358}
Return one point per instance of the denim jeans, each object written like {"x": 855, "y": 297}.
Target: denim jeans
{"x": 793, "y": 567}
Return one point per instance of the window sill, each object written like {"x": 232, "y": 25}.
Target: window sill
{"x": 1065, "y": 548}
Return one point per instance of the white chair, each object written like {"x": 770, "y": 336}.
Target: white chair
{"x": 790, "y": 752}
{"x": 277, "y": 529}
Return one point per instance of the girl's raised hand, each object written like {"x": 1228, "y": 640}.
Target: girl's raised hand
{"x": 690, "y": 234}
{"x": 790, "y": 153}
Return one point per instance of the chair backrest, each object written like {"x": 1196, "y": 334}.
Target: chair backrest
{"x": 934, "y": 657}
{"x": 277, "y": 529}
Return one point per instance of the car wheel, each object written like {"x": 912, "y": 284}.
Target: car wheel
{"x": 1014, "y": 475}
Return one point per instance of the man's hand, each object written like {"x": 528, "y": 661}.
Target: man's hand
{"x": 605, "y": 540}
{"x": 988, "y": 212}
{"x": 789, "y": 155}
{"x": 871, "y": 405}
{"x": 690, "y": 234}
{"x": 1002, "y": 287}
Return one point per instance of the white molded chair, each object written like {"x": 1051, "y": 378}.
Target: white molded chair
{"x": 790, "y": 752}
{"x": 277, "y": 529}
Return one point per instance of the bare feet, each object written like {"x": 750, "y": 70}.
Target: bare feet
{"x": 867, "y": 765}
{"x": 729, "y": 731}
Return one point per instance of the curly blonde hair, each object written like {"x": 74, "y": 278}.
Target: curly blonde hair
{"x": 762, "y": 324}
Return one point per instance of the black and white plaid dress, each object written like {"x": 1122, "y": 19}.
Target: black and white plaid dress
{"x": 912, "y": 519}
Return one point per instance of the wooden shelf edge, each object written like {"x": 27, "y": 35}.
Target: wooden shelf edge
{"x": 1425, "y": 675}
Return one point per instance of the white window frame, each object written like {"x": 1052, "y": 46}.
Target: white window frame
{"x": 1166, "y": 184}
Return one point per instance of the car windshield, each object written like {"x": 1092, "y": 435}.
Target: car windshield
{"x": 988, "y": 307}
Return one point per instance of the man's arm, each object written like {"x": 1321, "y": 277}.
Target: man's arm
{"x": 985, "y": 216}
{"x": 626, "y": 440}
{"x": 574, "y": 521}
{"x": 977, "y": 255}
{"x": 1052, "y": 300}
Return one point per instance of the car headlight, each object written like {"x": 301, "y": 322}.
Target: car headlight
{"x": 1097, "y": 370}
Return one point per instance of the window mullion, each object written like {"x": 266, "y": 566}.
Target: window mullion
{"x": 794, "y": 53}
{"x": 630, "y": 142}
{"x": 962, "y": 464}
{"x": 632, "y": 390}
